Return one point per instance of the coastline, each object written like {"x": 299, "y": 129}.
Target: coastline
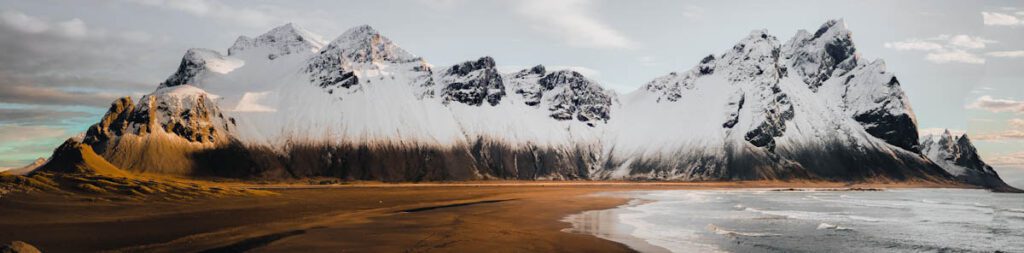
{"x": 805, "y": 219}
{"x": 457, "y": 217}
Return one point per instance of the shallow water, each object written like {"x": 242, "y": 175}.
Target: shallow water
{"x": 901, "y": 220}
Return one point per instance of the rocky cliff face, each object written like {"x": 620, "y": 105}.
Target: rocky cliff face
{"x": 361, "y": 107}
{"x": 159, "y": 132}
{"x": 957, "y": 155}
{"x": 473, "y": 83}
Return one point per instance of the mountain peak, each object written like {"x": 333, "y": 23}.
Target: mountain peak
{"x": 360, "y": 30}
{"x": 963, "y": 141}
{"x": 817, "y": 58}
{"x": 365, "y": 44}
{"x": 832, "y": 26}
{"x": 198, "y": 62}
{"x": 282, "y": 40}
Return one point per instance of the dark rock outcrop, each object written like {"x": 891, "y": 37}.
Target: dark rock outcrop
{"x": 473, "y": 83}
{"x": 576, "y": 97}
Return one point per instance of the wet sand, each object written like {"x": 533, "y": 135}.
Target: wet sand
{"x": 370, "y": 217}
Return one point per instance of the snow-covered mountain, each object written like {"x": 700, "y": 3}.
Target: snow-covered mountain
{"x": 957, "y": 155}
{"x": 290, "y": 104}
{"x": 811, "y": 107}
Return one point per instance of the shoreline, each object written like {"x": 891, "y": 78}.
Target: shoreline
{"x": 461, "y": 216}
{"x": 643, "y": 221}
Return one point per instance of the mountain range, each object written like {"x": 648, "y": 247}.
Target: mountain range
{"x": 290, "y": 104}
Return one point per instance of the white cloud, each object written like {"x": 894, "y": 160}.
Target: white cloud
{"x": 945, "y": 48}
{"x": 913, "y": 44}
{"x": 988, "y": 103}
{"x": 73, "y": 28}
{"x": 1007, "y": 54}
{"x": 217, "y": 10}
{"x": 572, "y": 21}
{"x": 955, "y": 55}
{"x": 23, "y": 23}
{"x": 967, "y": 41}
{"x": 995, "y": 18}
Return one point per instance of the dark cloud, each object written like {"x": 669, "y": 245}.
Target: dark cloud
{"x": 42, "y": 64}
{"x": 40, "y": 116}
{"x": 34, "y": 95}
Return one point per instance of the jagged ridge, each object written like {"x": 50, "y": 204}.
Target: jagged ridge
{"x": 361, "y": 107}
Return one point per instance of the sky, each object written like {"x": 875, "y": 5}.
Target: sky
{"x": 63, "y": 62}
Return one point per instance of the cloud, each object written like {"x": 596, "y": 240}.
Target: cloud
{"x": 217, "y": 10}
{"x": 1008, "y": 135}
{"x": 68, "y": 63}
{"x": 948, "y": 56}
{"x": 1000, "y": 19}
{"x": 1014, "y": 133}
{"x": 253, "y": 15}
{"x": 1016, "y": 158}
{"x": 1007, "y": 54}
{"x": 73, "y": 28}
{"x": 34, "y": 95}
{"x": 913, "y": 44}
{"x": 967, "y": 41}
{"x": 23, "y": 23}
{"x": 572, "y": 22}
{"x": 1016, "y": 123}
{"x": 990, "y": 104}
{"x": 38, "y": 116}
{"x": 945, "y": 48}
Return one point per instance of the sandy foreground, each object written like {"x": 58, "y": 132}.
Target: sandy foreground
{"x": 369, "y": 217}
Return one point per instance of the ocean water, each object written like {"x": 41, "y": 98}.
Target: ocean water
{"x": 900, "y": 220}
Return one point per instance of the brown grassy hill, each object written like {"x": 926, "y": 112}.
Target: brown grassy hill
{"x": 76, "y": 170}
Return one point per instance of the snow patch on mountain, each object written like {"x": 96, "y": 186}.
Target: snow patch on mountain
{"x": 199, "y": 62}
